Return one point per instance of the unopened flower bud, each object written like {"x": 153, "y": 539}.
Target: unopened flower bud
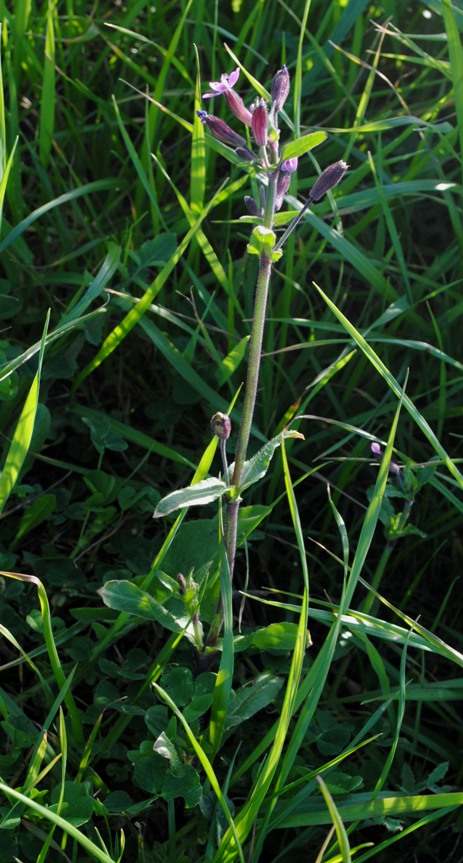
{"x": 221, "y": 130}
{"x": 328, "y": 178}
{"x": 253, "y": 208}
{"x": 236, "y": 104}
{"x": 283, "y": 183}
{"x": 259, "y": 124}
{"x": 246, "y": 154}
{"x": 181, "y": 580}
{"x": 221, "y": 425}
{"x": 394, "y": 468}
{"x": 280, "y": 89}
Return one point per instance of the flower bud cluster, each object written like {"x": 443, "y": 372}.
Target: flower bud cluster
{"x": 261, "y": 124}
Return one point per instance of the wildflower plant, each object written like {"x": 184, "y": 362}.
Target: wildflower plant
{"x": 259, "y": 148}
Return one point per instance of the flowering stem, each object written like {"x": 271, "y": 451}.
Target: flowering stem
{"x": 252, "y": 379}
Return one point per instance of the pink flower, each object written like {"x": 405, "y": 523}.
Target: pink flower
{"x": 235, "y": 102}
{"x": 289, "y": 165}
{"x": 226, "y": 83}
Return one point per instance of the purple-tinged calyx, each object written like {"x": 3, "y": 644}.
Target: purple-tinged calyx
{"x": 259, "y": 123}
{"x": 236, "y": 104}
{"x": 245, "y": 154}
{"x": 328, "y": 178}
{"x": 221, "y": 425}
{"x": 283, "y": 184}
{"x": 221, "y": 130}
{"x": 253, "y": 208}
{"x": 280, "y": 89}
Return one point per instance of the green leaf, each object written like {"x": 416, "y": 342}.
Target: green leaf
{"x": 150, "y": 771}
{"x": 303, "y": 145}
{"x": 205, "y": 491}
{"x": 187, "y": 786}
{"x": 178, "y": 682}
{"x": 276, "y": 636}
{"x": 77, "y": 806}
{"x": 37, "y": 513}
{"x": 202, "y": 696}
{"x": 252, "y": 698}
{"x": 231, "y": 362}
{"x": 256, "y": 467}
{"x": 126, "y": 596}
{"x": 262, "y": 242}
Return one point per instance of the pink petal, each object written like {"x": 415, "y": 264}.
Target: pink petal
{"x": 233, "y": 77}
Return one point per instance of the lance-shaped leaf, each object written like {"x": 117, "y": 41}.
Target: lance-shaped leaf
{"x": 126, "y": 596}
{"x": 257, "y": 466}
{"x": 302, "y": 145}
{"x": 201, "y": 493}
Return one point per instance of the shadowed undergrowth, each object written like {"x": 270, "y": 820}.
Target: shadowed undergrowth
{"x": 327, "y": 722}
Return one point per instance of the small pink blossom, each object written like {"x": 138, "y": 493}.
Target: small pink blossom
{"x": 226, "y": 83}
{"x": 289, "y": 165}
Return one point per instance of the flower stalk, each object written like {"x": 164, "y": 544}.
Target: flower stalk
{"x": 262, "y": 121}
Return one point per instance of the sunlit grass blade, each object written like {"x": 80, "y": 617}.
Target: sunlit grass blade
{"x": 248, "y": 814}
{"x": 360, "y": 807}
{"x": 49, "y": 639}
{"x": 22, "y": 437}
{"x": 47, "y": 104}
{"x": 104, "y": 275}
{"x": 3, "y": 143}
{"x": 60, "y": 201}
{"x": 341, "y": 833}
{"x": 5, "y": 172}
{"x": 198, "y": 151}
{"x": 395, "y": 387}
{"x": 206, "y": 765}
{"x": 314, "y": 681}
{"x": 133, "y": 317}
{"x": 46, "y": 813}
{"x": 456, "y": 65}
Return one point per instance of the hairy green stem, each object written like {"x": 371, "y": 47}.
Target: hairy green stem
{"x": 252, "y": 379}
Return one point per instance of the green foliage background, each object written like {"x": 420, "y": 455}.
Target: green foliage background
{"x": 125, "y": 300}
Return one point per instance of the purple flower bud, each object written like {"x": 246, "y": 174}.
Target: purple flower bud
{"x": 253, "y": 208}
{"x": 283, "y": 183}
{"x": 289, "y": 165}
{"x": 220, "y": 130}
{"x": 259, "y": 124}
{"x": 236, "y": 104}
{"x": 280, "y": 89}
{"x": 329, "y": 178}
{"x": 246, "y": 154}
{"x": 221, "y": 425}
{"x": 181, "y": 583}
{"x": 394, "y": 468}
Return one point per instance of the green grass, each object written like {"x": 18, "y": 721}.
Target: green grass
{"x": 326, "y": 725}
